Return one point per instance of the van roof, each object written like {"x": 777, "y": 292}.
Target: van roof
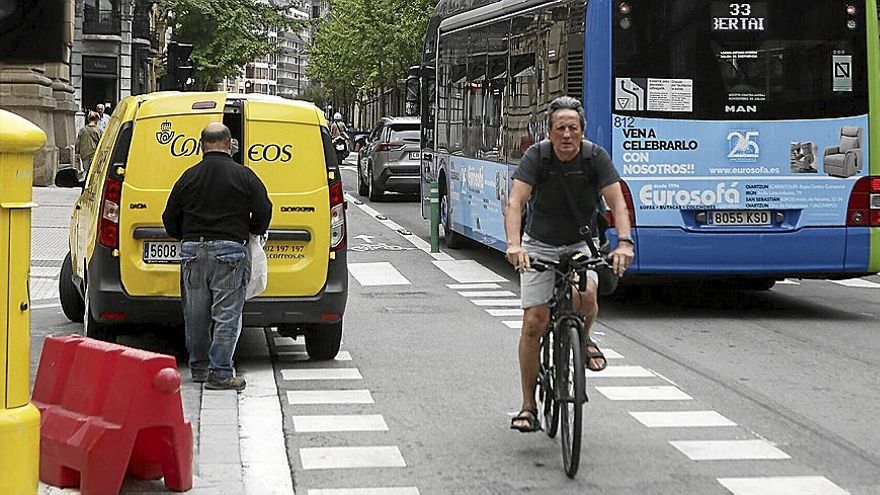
{"x": 305, "y": 108}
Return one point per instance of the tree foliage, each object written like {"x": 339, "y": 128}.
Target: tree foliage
{"x": 366, "y": 45}
{"x": 226, "y": 34}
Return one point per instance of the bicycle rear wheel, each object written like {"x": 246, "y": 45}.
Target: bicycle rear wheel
{"x": 546, "y": 396}
{"x": 572, "y": 394}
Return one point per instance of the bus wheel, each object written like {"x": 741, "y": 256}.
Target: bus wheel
{"x": 757, "y": 284}
{"x": 452, "y": 239}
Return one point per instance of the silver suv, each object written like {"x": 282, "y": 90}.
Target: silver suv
{"x": 389, "y": 158}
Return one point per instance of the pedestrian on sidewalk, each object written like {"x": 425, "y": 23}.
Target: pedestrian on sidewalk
{"x": 213, "y": 208}
{"x": 87, "y": 142}
{"x": 103, "y": 118}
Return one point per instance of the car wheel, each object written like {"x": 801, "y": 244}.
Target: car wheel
{"x": 452, "y": 239}
{"x": 71, "y": 301}
{"x": 374, "y": 192}
{"x": 322, "y": 341}
{"x": 94, "y": 329}
{"x": 363, "y": 189}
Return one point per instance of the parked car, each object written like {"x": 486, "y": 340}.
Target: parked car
{"x": 389, "y": 158}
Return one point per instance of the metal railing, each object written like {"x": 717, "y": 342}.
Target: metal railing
{"x": 101, "y": 22}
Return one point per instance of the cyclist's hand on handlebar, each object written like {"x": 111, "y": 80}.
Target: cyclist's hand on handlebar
{"x": 518, "y": 257}
{"x": 621, "y": 258}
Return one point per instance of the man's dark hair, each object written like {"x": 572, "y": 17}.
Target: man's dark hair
{"x": 566, "y": 103}
{"x": 220, "y": 135}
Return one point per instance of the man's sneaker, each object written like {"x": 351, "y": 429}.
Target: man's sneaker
{"x": 236, "y": 383}
{"x": 199, "y": 376}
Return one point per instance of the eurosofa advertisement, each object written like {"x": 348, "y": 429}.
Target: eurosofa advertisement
{"x": 803, "y": 169}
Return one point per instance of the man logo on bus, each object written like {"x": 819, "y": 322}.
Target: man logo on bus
{"x": 743, "y": 146}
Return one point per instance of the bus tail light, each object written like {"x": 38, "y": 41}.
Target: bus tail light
{"x": 108, "y": 224}
{"x": 337, "y": 216}
{"x": 627, "y": 196}
{"x": 864, "y": 203}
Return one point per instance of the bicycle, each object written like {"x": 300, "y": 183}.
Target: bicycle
{"x": 562, "y": 379}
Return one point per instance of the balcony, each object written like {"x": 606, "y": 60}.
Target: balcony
{"x": 141, "y": 29}
{"x": 101, "y": 22}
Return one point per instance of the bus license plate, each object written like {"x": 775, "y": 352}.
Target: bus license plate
{"x": 161, "y": 252}
{"x": 735, "y": 218}
{"x": 415, "y": 155}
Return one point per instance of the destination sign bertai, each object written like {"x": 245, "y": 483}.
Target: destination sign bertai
{"x": 739, "y": 16}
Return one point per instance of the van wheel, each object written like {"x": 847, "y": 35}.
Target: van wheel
{"x": 452, "y": 239}
{"x": 94, "y": 329}
{"x": 374, "y": 192}
{"x": 71, "y": 301}
{"x": 322, "y": 342}
{"x": 363, "y": 189}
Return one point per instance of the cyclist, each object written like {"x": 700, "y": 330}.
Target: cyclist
{"x": 551, "y": 229}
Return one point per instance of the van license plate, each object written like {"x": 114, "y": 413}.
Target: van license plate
{"x": 161, "y": 252}
{"x": 415, "y": 155}
{"x": 739, "y": 218}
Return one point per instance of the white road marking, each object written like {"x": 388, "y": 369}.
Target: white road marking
{"x": 351, "y": 422}
{"x": 301, "y": 397}
{"x": 655, "y": 392}
{"x": 787, "y": 281}
{"x": 473, "y": 286}
{"x": 284, "y": 341}
{"x": 322, "y": 374}
{"x": 611, "y": 354}
{"x": 303, "y": 356}
{"x": 45, "y": 306}
{"x": 404, "y": 490}
{"x": 497, "y": 302}
{"x": 374, "y": 274}
{"x": 505, "y": 312}
{"x": 857, "y": 283}
{"x": 483, "y": 293}
{"x": 782, "y": 485}
{"x": 622, "y": 372}
{"x": 468, "y": 271}
{"x": 681, "y": 419}
{"x": 728, "y": 450}
{"x": 45, "y": 272}
{"x": 351, "y": 457}
{"x": 515, "y": 324}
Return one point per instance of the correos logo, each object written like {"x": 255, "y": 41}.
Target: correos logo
{"x": 270, "y": 153}
{"x": 722, "y": 195}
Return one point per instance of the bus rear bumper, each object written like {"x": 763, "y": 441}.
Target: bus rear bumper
{"x": 816, "y": 252}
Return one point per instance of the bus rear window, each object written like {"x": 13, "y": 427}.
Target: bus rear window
{"x": 758, "y": 60}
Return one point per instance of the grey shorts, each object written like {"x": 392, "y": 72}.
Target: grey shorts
{"x": 536, "y": 287}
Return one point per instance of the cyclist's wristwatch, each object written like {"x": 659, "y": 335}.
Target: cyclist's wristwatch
{"x": 626, "y": 239}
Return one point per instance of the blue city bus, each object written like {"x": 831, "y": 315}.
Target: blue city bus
{"x": 746, "y": 133}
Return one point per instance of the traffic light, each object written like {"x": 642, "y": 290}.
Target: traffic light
{"x": 32, "y": 31}
{"x": 178, "y": 66}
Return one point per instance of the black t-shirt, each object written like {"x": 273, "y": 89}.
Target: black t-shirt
{"x": 550, "y": 218}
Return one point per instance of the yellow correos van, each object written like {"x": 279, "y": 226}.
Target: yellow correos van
{"x": 123, "y": 268}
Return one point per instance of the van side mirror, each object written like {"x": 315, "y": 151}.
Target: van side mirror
{"x": 411, "y": 99}
{"x": 68, "y": 177}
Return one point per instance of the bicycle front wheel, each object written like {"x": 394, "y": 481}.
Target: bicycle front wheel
{"x": 572, "y": 394}
{"x": 546, "y": 387}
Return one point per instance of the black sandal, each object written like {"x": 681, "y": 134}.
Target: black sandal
{"x": 529, "y": 414}
{"x": 597, "y": 354}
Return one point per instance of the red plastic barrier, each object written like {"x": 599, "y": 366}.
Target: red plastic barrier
{"x": 106, "y": 410}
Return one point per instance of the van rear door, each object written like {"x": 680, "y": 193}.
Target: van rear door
{"x": 164, "y": 144}
{"x": 282, "y": 144}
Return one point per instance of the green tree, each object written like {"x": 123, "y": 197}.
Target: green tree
{"x": 226, "y": 34}
{"x": 368, "y": 45}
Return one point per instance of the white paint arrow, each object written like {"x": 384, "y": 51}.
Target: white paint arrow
{"x": 366, "y": 238}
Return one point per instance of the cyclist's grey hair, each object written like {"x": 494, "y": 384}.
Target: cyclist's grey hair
{"x": 566, "y": 103}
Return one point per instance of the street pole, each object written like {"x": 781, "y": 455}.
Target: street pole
{"x": 435, "y": 217}
{"x": 19, "y": 419}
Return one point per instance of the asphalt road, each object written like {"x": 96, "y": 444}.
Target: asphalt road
{"x": 779, "y": 383}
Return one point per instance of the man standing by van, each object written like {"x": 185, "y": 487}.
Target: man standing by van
{"x": 212, "y": 209}
{"x": 87, "y": 142}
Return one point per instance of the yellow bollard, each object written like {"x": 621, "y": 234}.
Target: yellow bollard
{"x": 19, "y": 419}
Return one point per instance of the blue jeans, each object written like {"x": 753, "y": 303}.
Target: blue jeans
{"x": 213, "y": 279}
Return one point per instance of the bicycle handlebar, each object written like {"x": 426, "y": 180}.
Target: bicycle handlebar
{"x": 576, "y": 261}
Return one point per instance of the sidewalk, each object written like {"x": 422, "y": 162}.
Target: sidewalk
{"x": 237, "y": 438}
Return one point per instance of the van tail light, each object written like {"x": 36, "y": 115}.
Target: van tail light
{"x": 391, "y": 146}
{"x": 337, "y": 216}
{"x": 627, "y": 196}
{"x": 108, "y": 224}
{"x": 864, "y": 203}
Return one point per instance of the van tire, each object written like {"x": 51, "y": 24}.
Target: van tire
{"x": 374, "y": 192}
{"x": 363, "y": 189}
{"x": 71, "y": 301}
{"x": 94, "y": 329}
{"x": 322, "y": 342}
